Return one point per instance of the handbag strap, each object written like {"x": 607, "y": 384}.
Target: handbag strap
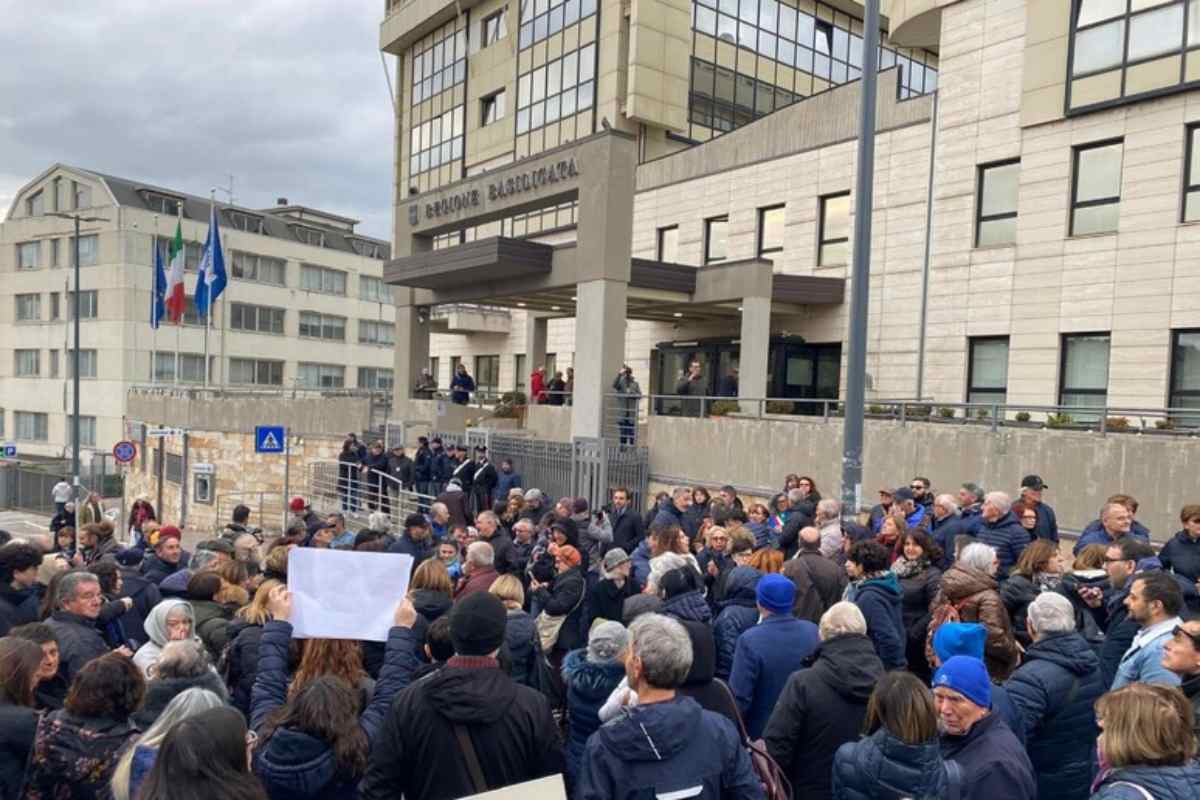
{"x": 1142, "y": 790}
{"x": 468, "y": 751}
{"x": 954, "y": 780}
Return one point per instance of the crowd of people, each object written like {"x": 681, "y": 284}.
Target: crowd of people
{"x": 708, "y": 645}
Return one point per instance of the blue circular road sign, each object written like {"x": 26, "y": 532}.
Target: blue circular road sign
{"x": 124, "y": 452}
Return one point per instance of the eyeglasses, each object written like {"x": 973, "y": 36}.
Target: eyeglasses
{"x": 1195, "y": 638}
{"x": 916, "y": 487}
{"x": 1108, "y": 560}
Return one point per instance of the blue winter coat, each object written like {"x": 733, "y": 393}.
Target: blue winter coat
{"x": 1055, "y": 689}
{"x": 640, "y": 558}
{"x": 763, "y": 535}
{"x": 945, "y": 531}
{"x": 506, "y": 482}
{"x": 688, "y": 606}
{"x": 764, "y": 659}
{"x": 1008, "y": 538}
{"x": 1181, "y": 555}
{"x": 1094, "y": 533}
{"x": 461, "y": 388}
{"x": 882, "y": 767}
{"x": 588, "y": 686}
{"x": 993, "y": 763}
{"x": 1163, "y": 783}
{"x": 420, "y": 551}
{"x": 881, "y": 602}
{"x": 1047, "y": 523}
{"x": 739, "y": 613}
{"x": 519, "y": 634}
{"x": 671, "y": 748}
{"x": 292, "y": 764}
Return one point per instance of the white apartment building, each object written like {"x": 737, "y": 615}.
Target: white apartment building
{"x": 305, "y": 306}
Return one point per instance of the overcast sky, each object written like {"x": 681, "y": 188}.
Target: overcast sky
{"x": 288, "y": 96}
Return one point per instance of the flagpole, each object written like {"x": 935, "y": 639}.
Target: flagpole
{"x": 154, "y": 302}
{"x": 179, "y": 322}
{"x": 208, "y": 304}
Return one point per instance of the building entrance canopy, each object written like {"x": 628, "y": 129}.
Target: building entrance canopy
{"x": 595, "y": 279}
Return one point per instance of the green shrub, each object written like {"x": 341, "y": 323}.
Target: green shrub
{"x": 514, "y": 399}
{"x": 1164, "y": 424}
{"x": 722, "y": 407}
{"x": 1059, "y": 420}
{"x": 982, "y": 413}
{"x": 946, "y": 413}
{"x": 1022, "y": 416}
{"x": 920, "y": 411}
{"x": 876, "y": 409}
{"x": 1116, "y": 423}
{"x": 781, "y": 407}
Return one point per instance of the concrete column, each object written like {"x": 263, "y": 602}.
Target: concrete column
{"x": 411, "y": 353}
{"x": 599, "y": 351}
{"x": 755, "y": 344}
{"x": 535, "y": 343}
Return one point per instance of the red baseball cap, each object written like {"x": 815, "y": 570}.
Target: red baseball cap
{"x": 298, "y": 504}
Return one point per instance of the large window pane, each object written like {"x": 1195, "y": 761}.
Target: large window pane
{"x": 1099, "y": 48}
{"x": 997, "y": 216}
{"x": 1092, "y": 11}
{"x": 668, "y": 244}
{"x": 1084, "y": 380}
{"x": 834, "y": 230}
{"x": 770, "y": 230}
{"x": 1098, "y": 173}
{"x": 988, "y": 381}
{"x": 1155, "y": 32}
{"x": 715, "y": 231}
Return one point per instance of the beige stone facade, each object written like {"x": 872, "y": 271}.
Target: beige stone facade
{"x": 1003, "y": 77}
{"x": 274, "y": 270}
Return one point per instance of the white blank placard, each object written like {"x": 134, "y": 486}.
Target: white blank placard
{"x": 340, "y": 594}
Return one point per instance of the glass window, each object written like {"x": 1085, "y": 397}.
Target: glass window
{"x": 320, "y": 376}
{"x": 375, "y": 378}
{"x": 716, "y": 231}
{"x": 29, "y": 307}
{"x": 28, "y": 255}
{"x": 520, "y": 378}
{"x": 1191, "y": 190}
{"x": 35, "y": 206}
{"x": 256, "y": 319}
{"x": 54, "y": 305}
{"x": 1096, "y": 194}
{"x": 55, "y": 358}
{"x": 1185, "y": 375}
{"x": 987, "y": 372}
{"x": 255, "y": 371}
{"x": 1084, "y": 378}
{"x": 251, "y": 267}
{"x": 492, "y": 108}
{"x": 27, "y": 363}
{"x": 495, "y": 27}
{"x": 322, "y": 279}
{"x": 1099, "y": 48}
{"x": 83, "y": 196}
{"x": 87, "y": 363}
{"x": 376, "y": 332}
{"x": 770, "y": 230}
{"x": 996, "y": 218}
{"x": 322, "y": 326}
{"x": 31, "y": 426}
{"x": 1155, "y": 32}
{"x": 89, "y": 251}
{"x": 1093, "y": 11}
{"x": 487, "y": 374}
{"x": 668, "y": 244}
{"x": 87, "y": 430}
{"x": 88, "y": 304}
{"x": 834, "y": 242}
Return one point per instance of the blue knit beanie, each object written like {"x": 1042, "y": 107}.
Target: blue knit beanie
{"x": 967, "y": 676}
{"x": 776, "y": 593}
{"x": 959, "y": 639}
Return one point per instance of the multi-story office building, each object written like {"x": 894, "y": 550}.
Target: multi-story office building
{"x": 1036, "y": 186}
{"x": 305, "y": 305}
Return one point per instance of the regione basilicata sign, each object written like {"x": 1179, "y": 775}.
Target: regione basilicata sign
{"x": 476, "y": 200}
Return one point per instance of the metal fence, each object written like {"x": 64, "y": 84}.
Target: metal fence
{"x": 589, "y": 468}
{"x": 625, "y": 416}
{"x": 356, "y": 497}
{"x": 26, "y": 484}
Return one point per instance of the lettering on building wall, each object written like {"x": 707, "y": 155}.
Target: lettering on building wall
{"x": 468, "y": 199}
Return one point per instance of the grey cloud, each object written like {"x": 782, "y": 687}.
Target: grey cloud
{"x": 287, "y": 96}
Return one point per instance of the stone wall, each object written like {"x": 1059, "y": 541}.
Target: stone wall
{"x": 1081, "y": 468}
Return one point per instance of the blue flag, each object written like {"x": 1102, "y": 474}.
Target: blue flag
{"x": 211, "y": 280}
{"x": 158, "y": 295}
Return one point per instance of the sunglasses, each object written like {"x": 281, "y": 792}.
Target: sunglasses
{"x": 1195, "y": 638}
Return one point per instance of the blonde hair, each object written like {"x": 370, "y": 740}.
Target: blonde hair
{"x": 509, "y": 589}
{"x": 255, "y": 612}
{"x": 716, "y": 529}
{"x": 431, "y": 574}
{"x": 1146, "y": 725}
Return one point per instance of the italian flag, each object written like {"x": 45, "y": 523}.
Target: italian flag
{"x": 175, "y": 299}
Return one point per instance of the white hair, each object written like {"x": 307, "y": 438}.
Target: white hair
{"x": 1050, "y": 612}
{"x": 490, "y": 516}
{"x": 829, "y": 508}
{"x": 480, "y": 554}
{"x": 979, "y": 556}
{"x": 662, "y": 564}
{"x": 947, "y": 502}
{"x": 379, "y": 521}
{"x": 187, "y": 703}
{"x": 1000, "y": 500}
{"x": 664, "y": 647}
{"x": 840, "y": 620}
{"x": 439, "y": 508}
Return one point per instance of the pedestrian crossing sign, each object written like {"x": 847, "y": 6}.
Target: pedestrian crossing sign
{"x": 268, "y": 439}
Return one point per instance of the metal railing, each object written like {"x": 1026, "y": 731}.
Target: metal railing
{"x": 358, "y": 496}
{"x": 626, "y": 415}
{"x": 267, "y": 510}
{"x": 295, "y": 391}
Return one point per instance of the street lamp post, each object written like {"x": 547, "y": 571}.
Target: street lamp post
{"x": 75, "y": 355}
{"x": 856, "y": 360}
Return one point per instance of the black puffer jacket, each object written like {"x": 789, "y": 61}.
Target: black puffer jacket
{"x": 161, "y": 691}
{"x": 882, "y": 767}
{"x": 417, "y": 755}
{"x": 1055, "y": 689}
{"x": 520, "y": 634}
{"x": 821, "y": 708}
{"x": 79, "y": 641}
{"x": 739, "y": 613}
{"x": 243, "y": 662}
{"x": 430, "y": 605}
{"x": 17, "y": 727}
{"x": 566, "y": 597}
